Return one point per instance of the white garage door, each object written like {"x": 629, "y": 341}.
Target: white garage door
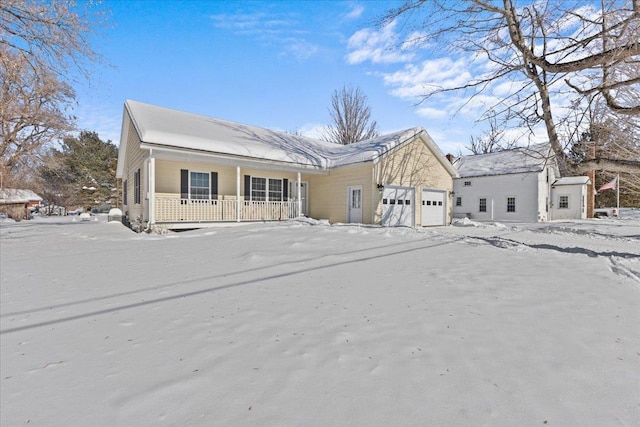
{"x": 433, "y": 207}
{"x": 398, "y": 206}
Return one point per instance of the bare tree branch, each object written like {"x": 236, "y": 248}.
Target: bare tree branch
{"x": 350, "y": 117}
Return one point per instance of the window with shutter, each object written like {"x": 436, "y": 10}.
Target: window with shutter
{"x": 265, "y": 189}
{"x": 196, "y": 185}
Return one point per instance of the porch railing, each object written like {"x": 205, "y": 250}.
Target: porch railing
{"x": 174, "y": 209}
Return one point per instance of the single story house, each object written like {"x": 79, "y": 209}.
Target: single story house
{"x": 182, "y": 170}
{"x": 16, "y": 203}
{"x": 521, "y": 184}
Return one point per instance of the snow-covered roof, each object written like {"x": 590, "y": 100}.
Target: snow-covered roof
{"x": 517, "y": 160}
{"x": 163, "y": 127}
{"x": 572, "y": 180}
{"x": 13, "y": 195}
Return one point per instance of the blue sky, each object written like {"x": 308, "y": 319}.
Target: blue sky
{"x": 270, "y": 64}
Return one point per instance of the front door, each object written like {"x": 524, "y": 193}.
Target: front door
{"x": 354, "y": 196}
{"x": 293, "y": 194}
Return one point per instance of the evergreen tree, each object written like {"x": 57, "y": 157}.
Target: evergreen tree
{"x": 82, "y": 172}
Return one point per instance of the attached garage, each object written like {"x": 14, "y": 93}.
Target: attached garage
{"x": 398, "y": 206}
{"x": 434, "y": 207}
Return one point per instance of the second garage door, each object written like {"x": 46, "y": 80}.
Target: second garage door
{"x": 398, "y": 206}
{"x": 433, "y": 207}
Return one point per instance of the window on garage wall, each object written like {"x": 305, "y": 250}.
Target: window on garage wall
{"x": 482, "y": 206}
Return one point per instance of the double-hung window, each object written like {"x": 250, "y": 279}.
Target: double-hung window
{"x": 195, "y": 185}
{"x": 511, "y": 204}
{"x": 266, "y": 189}
{"x": 563, "y": 202}
{"x": 275, "y": 189}
{"x": 199, "y": 185}
{"x": 258, "y": 189}
{"x": 483, "y": 205}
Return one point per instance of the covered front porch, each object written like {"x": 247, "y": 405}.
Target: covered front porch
{"x": 205, "y": 191}
{"x": 172, "y": 209}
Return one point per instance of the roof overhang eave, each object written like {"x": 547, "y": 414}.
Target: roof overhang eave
{"x": 177, "y": 154}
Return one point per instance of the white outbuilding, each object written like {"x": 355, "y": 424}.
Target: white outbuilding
{"x": 518, "y": 185}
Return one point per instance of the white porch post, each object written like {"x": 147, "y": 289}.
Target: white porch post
{"x": 299, "y": 194}
{"x": 152, "y": 190}
{"x": 238, "y": 211}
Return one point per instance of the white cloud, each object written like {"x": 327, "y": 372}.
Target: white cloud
{"x": 282, "y": 30}
{"x": 432, "y": 113}
{"x": 416, "y": 80}
{"x": 312, "y": 130}
{"x": 378, "y": 47}
{"x": 300, "y": 48}
{"x": 355, "y": 12}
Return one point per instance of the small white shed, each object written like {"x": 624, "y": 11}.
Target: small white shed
{"x": 569, "y": 198}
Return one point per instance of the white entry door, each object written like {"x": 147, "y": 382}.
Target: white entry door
{"x": 397, "y": 206}
{"x": 434, "y": 207}
{"x": 354, "y": 200}
{"x": 293, "y": 194}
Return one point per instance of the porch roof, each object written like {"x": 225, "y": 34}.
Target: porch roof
{"x": 572, "y": 180}
{"x": 166, "y": 128}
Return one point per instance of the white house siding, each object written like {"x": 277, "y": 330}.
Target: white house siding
{"x": 496, "y": 189}
{"x": 168, "y": 176}
{"x": 577, "y": 198}
{"x": 134, "y": 161}
{"x": 328, "y": 193}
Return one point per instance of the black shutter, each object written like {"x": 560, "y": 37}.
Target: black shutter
{"x": 247, "y": 187}
{"x": 214, "y": 185}
{"x": 285, "y": 189}
{"x": 184, "y": 183}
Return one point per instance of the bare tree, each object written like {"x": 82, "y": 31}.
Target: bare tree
{"x": 557, "y": 49}
{"x": 43, "y": 45}
{"x": 32, "y": 110}
{"x": 350, "y": 117}
{"x": 491, "y": 140}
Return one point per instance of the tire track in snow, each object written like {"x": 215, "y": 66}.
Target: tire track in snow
{"x": 616, "y": 259}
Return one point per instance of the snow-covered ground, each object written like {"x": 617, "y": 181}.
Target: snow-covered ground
{"x": 308, "y": 324}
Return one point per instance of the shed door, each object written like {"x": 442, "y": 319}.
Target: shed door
{"x": 398, "y": 206}
{"x": 434, "y": 207}
{"x": 354, "y": 200}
